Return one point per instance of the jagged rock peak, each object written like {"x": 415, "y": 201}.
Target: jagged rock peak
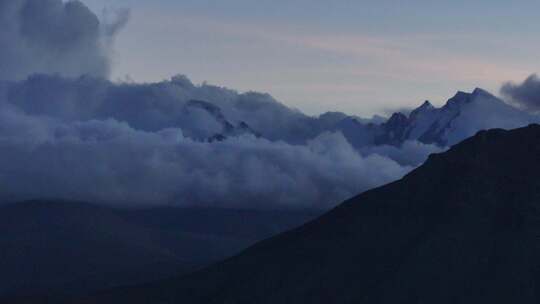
{"x": 426, "y": 106}
{"x": 480, "y": 91}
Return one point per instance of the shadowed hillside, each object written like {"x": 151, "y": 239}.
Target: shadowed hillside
{"x": 462, "y": 228}
{"x": 69, "y": 247}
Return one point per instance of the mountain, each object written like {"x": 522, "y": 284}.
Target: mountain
{"x": 208, "y": 113}
{"x": 73, "y": 247}
{"x": 227, "y": 128}
{"x": 462, "y": 228}
{"x": 461, "y": 117}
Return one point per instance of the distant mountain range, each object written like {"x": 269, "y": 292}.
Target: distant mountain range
{"x": 462, "y": 116}
{"x": 462, "y": 228}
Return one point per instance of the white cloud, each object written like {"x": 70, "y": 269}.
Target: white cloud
{"x": 110, "y": 162}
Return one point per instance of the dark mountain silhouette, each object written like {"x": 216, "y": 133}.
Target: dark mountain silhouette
{"x": 462, "y": 228}
{"x": 75, "y": 247}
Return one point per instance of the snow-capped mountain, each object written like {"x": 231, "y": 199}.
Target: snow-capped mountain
{"x": 462, "y": 116}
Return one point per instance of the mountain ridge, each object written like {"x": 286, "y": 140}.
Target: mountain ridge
{"x": 454, "y": 230}
{"x": 442, "y": 126}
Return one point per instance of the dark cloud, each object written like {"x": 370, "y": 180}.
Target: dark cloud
{"x": 52, "y": 36}
{"x": 526, "y": 94}
{"x": 167, "y": 104}
{"x": 90, "y": 139}
{"x": 109, "y": 161}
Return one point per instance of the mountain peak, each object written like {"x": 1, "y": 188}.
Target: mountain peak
{"x": 397, "y": 120}
{"x": 459, "y": 99}
{"x": 397, "y": 117}
{"x": 426, "y": 106}
{"x": 461, "y": 94}
{"x": 480, "y": 91}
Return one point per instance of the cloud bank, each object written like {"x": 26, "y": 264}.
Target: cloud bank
{"x": 410, "y": 153}
{"x": 56, "y": 37}
{"x": 526, "y": 94}
{"x": 141, "y": 144}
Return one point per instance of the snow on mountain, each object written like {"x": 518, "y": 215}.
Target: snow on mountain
{"x": 260, "y": 115}
{"x": 462, "y": 116}
{"x": 485, "y": 111}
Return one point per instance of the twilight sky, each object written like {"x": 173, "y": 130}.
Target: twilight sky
{"x": 360, "y": 57}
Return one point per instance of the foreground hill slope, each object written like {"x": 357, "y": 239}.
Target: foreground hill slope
{"x": 462, "y": 228}
{"x": 68, "y": 247}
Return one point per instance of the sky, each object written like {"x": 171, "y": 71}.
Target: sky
{"x": 359, "y": 57}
